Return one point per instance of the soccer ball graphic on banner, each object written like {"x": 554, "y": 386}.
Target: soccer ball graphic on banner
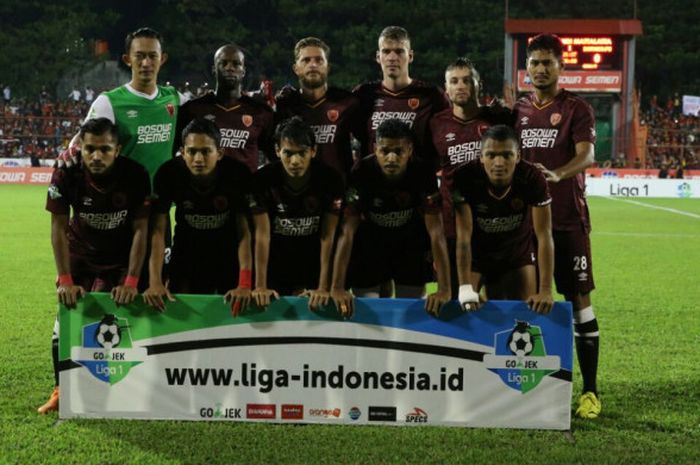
{"x": 108, "y": 333}
{"x": 521, "y": 341}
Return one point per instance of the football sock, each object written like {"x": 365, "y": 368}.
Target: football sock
{"x": 587, "y": 336}
{"x": 54, "y": 351}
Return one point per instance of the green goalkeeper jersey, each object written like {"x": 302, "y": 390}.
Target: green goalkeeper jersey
{"x": 146, "y": 123}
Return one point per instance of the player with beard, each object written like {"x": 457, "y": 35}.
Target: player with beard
{"x": 392, "y": 224}
{"x": 102, "y": 247}
{"x": 499, "y": 199}
{"x": 398, "y": 96}
{"x": 557, "y": 132}
{"x": 296, "y": 204}
{"x": 331, "y": 112}
{"x": 246, "y": 125}
{"x": 456, "y": 134}
{"x": 212, "y": 238}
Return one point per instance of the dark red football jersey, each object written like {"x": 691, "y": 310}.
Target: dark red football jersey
{"x": 246, "y": 128}
{"x": 333, "y": 118}
{"x": 204, "y": 217}
{"x": 101, "y": 228}
{"x": 548, "y": 135}
{"x": 502, "y": 227}
{"x": 415, "y": 105}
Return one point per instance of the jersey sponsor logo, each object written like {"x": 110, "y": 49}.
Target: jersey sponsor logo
{"x": 555, "y": 118}
{"x": 418, "y": 415}
{"x": 413, "y": 103}
{"x": 170, "y": 108}
{"x": 206, "y": 222}
{"x": 154, "y": 133}
{"x": 538, "y": 137}
{"x": 54, "y": 193}
{"x": 234, "y": 138}
{"x": 378, "y": 117}
{"x": 462, "y": 153}
{"x": 132, "y": 114}
{"x": 394, "y": 219}
{"x": 500, "y": 224}
{"x": 104, "y": 221}
{"x": 332, "y": 115}
{"x": 324, "y": 133}
{"x": 295, "y": 227}
{"x": 247, "y": 120}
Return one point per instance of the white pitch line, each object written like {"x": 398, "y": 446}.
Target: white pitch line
{"x": 637, "y": 234}
{"x": 656, "y": 207}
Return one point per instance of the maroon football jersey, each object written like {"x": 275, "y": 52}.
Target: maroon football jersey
{"x": 502, "y": 227}
{"x": 246, "y": 128}
{"x": 333, "y": 118}
{"x": 101, "y": 228}
{"x": 414, "y": 105}
{"x": 548, "y": 135}
{"x": 456, "y": 142}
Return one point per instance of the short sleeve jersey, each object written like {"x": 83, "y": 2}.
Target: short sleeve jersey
{"x": 296, "y": 217}
{"x": 502, "y": 226}
{"x": 101, "y": 228}
{"x": 392, "y": 207}
{"x": 415, "y": 105}
{"x": 548, "y": 135}
{"x": 333, "y": 118}
{"x": 146, "y": 124}
{"x": 246, "y": 128}
{"x": 204, "y": 218}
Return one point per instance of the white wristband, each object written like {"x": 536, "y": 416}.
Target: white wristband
{"x": 467, "y": 295}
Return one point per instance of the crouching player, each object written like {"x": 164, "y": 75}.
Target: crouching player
{"x": 392, "y": 222}
{"x": 211, "y": 231}
{"x": 102, "y": 247}
{"x": 498, "y": 199}
{"x": 296, "y": 203}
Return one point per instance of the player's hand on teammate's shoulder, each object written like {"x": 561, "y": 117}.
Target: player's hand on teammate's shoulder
{"x": 69, "y": 294}
{"x": 239, "y": 298}
{"x": 155, "y": 295}
{"x": 70, "y": 156}
{"x": 541, "y": 303}
{"x": 435, "y": 301}
{"x": 344, "y": 302}
{"x": 317, "y": 298}
{"x": 549, "y": 175}
{"x": 123, "y": 294}
{"x": 264, "y": 296}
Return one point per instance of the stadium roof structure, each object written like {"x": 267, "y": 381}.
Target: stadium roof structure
{"x": 629, "y": 27}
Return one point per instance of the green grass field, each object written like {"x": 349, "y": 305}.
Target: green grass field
{"x": 647, "y": 269}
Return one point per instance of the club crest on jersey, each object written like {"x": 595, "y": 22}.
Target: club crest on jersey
{"x": 119, "y": 199}
{"x": 517, "y": 204}
{"x": 482, "y": 128}
{"x": 171, "y": 109}
{"x": 413, "y": 103}
{"x": 311, "y": 204}
{"x": 247, "y": 120}
{"x": 220, "y": 203}
{"x": 555, "y": 118}
{"x": 403, "y": 199}
{"x": 332, "y": 115}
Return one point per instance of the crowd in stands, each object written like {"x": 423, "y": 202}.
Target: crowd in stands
{"x": 673, "y": 139}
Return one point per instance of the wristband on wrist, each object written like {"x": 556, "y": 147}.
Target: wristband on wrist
{"x": 131, "y": 281}
{"x": 245, "y": 279}
{"x": 65, "y": 280}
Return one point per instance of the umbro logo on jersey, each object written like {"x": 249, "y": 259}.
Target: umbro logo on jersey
{"x": 281, "y": 208}
{"x": 87, "y": 201}
{"x": 210, "y": 117}
{"x": 524, "y": 120}
{"x": 132, "y": 114}
{"x": 482, "y": 208}
{"x": 377, "y": 202}
{"x": 188, "y": 205}
{"x": 582, "y": 276}
{"x": 449, "y": 137}
{"x": 247, "y": 120}
{"x": 379, "y": 103}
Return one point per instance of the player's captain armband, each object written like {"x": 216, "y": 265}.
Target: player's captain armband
{"x": 467, "y": 295}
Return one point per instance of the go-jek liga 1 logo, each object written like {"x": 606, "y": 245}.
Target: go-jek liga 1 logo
{"x": 106, "y": 351}
{"x": 520, "y": 357}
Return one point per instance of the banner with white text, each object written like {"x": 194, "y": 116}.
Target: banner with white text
{"x": 392, "y": 363}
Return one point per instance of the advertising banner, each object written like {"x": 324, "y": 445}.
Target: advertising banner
{"x": 12, "y": 175}
{"x": 580, "y": 81}
{"x": 392, "y": 363}
{"x": 637, "y": 173}
{"x": 640, "y": 187}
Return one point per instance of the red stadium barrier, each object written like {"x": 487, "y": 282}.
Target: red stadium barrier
{"x": 637, "y": 173}
{"x": 25, "y": 175}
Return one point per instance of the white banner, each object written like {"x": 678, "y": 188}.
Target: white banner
{"x": 691, "y": 105}
{"x": 638, "y": 187}
{"x": 393, "y": 364}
